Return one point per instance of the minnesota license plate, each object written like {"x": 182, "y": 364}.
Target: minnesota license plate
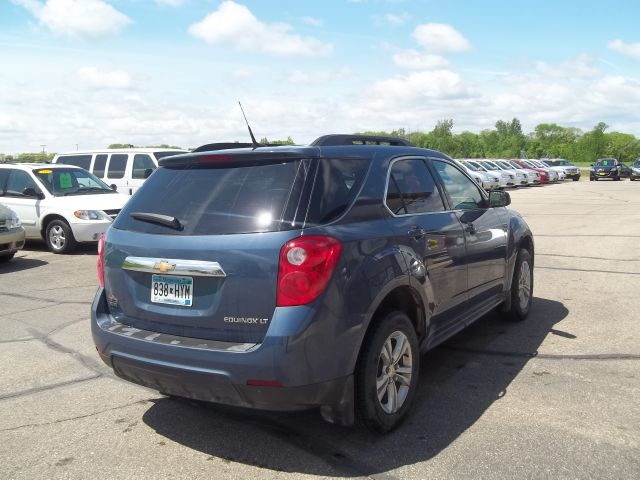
{"x": 172, "y": 290}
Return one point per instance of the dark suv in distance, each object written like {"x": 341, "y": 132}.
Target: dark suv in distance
{"x": 607, "y": 168}
{"x": 295, "y": 277}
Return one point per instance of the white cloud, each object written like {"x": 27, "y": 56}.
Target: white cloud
{"x": 415, "y": 60}
{"x": 440, "y": 38}
{"x": 314, "y": 22}
{"x": 579, "y": 67}
{"x": 171, "y": 3}
{"x": 396, "y": 19}
{"x": 77, "y": 18}
{"x": 315, "y": 78}
{"x": 629, "y": 49}
{"x": 95, "y": 78}
{"x": 234, "y": 24}
{"x": 416, "y": 89}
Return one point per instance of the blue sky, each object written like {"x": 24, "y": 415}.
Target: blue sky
{"x": 95, "y": 72}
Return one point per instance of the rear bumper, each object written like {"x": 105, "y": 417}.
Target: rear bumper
{"x": 11, "y": 241}
{"x": 269, "y": 375}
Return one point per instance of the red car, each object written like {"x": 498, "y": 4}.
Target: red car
{"x": 544, "y": 175}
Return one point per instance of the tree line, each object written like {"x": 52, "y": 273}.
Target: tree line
{"x": 505, "y": 140}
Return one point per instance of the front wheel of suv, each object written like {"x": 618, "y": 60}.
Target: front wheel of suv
{"x": 387, "y": 373}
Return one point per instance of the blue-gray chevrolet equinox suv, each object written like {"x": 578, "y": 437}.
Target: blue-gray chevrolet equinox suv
{"x": 295, "y": 277}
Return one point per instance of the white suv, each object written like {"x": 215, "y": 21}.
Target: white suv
{"x": 61, "y": 203}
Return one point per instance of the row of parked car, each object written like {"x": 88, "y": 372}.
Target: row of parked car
{"x": 502, "y": 173}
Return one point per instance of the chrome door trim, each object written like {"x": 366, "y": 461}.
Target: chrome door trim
{"x": 174, "y": 266}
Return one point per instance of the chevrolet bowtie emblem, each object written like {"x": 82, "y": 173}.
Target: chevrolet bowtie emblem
{"x": 164, "y": 266}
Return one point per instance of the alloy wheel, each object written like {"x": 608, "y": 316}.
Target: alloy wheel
{"x": 395, "y": 368}
{"x": 524, "y": 285}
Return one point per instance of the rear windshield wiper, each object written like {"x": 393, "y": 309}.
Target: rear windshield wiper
{"x": 164, "y": 220}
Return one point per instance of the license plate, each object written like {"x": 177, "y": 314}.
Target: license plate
{"x": 603, "y": 173}
{"x": 172, "y": 290}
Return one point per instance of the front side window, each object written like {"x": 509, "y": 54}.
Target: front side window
{"x": 141, "y": 164}
{"x": 117, "y": 165}
{"x": 17, "y": 182}
{"x": 462, "y": 191}
{"x": 411, "y": 189}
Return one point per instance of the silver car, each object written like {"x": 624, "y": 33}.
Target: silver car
{"x": 489, "y": 181}
{"x": 11, "y": 234}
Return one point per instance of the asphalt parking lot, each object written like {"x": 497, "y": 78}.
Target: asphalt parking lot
{"x": 554, "y": 397}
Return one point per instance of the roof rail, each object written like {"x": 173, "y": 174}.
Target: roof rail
{"x": 341, "y": 139}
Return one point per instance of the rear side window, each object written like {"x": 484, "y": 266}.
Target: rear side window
{"x": 141, "y": 164}
{"x": 117, "y": 165}
{"x": 99, "y": 164}
{"x": 4, "y": 175}
{"x": 82, "y": 161}
{"x": 337, "y": 183}
{"x": 19, "y": 180}
{"x": 411, "y": 189}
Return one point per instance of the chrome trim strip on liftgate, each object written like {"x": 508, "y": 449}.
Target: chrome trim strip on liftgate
{"x": 173, "y": 266}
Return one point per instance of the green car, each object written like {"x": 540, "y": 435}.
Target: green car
{"x": 11, "y": 234}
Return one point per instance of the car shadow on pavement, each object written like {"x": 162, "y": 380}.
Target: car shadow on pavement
{"x": 90, "y": 248}
{"x": 18, "y": 264}
{"x": 459, "y": 381}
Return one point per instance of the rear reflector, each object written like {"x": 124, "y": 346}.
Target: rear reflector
{"x": 264, "y": 383}
{"x": 101, "y": 260}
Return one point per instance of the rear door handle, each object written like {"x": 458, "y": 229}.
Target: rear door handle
{"x": 417, "y": 232}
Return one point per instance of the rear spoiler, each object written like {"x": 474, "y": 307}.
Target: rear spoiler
{"x": 235, "y": 157}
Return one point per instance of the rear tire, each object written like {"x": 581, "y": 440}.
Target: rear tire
{"x": 521, "y": 290}
{"x": 387, "y": 373}
{"x": 59, "y": 237}
{"x": 6, "y": 258}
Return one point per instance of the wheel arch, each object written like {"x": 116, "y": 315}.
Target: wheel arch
{"x": 48, "y": 218}
{"x": 403, "y": 298}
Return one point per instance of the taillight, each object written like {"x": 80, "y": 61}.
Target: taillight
{"x": 101, "y": 260}
{"x": 306, "y": 266}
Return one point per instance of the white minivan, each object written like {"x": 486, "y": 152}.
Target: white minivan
{"x": 62, "y": 204}
{"x": 123, "y": 169}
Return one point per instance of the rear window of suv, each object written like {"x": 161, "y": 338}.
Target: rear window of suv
{"x": 246, "y": 199}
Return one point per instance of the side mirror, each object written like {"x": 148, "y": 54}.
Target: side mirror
{"x": 498, "y": 198}
{"x": 114, "y": 187}
{"x": 148, "y": 172}
{"x": 31, "y": 192}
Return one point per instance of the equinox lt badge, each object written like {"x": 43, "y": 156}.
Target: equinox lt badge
{"x": 247, "y": 320}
